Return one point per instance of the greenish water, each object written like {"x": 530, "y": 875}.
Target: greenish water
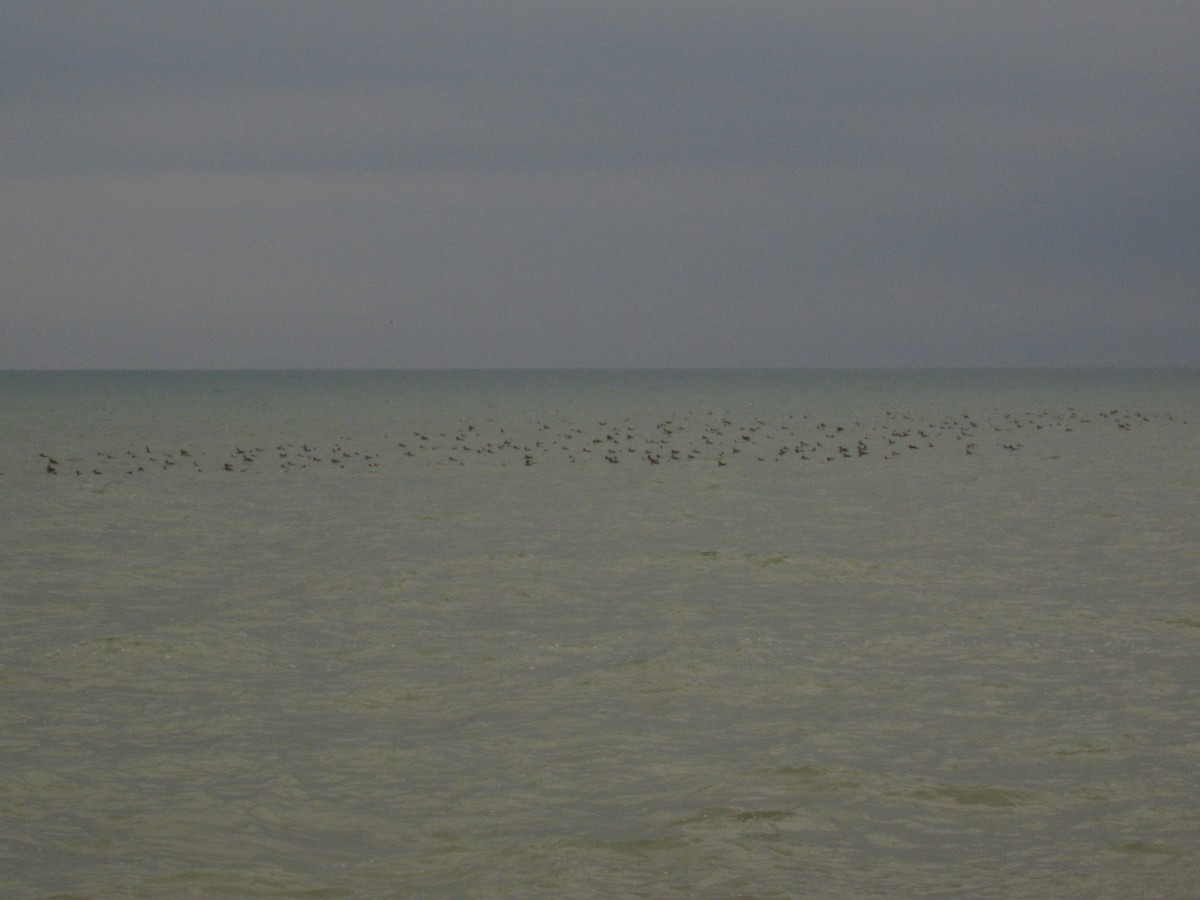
{"x": 256, "y": 647}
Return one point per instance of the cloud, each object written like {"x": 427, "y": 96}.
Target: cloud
{"x": 665, "y": 183}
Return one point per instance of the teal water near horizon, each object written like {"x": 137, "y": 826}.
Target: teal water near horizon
{"x": 694, "y": 633}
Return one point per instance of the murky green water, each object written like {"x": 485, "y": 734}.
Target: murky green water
{"x": 269, "y": 651}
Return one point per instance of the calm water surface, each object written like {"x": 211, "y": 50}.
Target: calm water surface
{"x": 600, "y": 634}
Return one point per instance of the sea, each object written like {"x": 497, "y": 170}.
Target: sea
{"x": 701, "y": 633}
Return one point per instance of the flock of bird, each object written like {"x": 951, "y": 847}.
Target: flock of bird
{"x": 708, "y": 438}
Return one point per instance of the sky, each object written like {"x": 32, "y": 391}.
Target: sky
{"x": 627, "y": 183}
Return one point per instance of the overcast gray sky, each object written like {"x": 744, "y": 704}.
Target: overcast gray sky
{"x": 580, "y": 183}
